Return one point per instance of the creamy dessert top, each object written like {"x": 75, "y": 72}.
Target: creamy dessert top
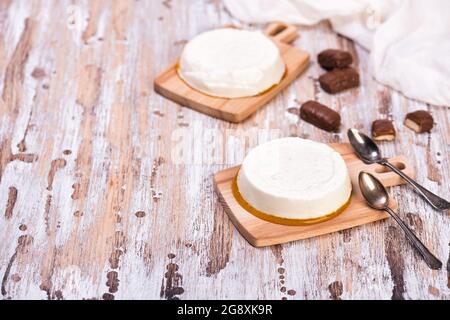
{"x": 231, "y": 63}
{"x": 294, "y": 178}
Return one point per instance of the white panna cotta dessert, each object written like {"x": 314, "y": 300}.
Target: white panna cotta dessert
{"x": 294, "y": 181}
{"x": 231, "y": 63}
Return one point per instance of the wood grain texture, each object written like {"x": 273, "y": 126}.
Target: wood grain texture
{"x": 128, "y": 216}
{"x": 260, "y": 233}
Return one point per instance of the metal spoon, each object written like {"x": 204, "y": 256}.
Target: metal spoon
{"x": 369, "y": 153}
{"x": 378, "y": 198}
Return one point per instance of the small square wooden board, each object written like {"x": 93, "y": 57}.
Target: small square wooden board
{"x": 260, "y": 233}
{"x": 171, "y": 86}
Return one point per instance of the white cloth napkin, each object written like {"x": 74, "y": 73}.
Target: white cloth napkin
{"x": 409, "y": 40}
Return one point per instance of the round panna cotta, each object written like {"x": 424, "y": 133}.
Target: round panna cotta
{"x": 231, "y": 63}
{"x": 294, "y": 181}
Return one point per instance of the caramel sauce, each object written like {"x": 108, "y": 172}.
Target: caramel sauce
{"x": 285, "y": 221}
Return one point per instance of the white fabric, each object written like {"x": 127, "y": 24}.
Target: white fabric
{"x": 409, "y": 40}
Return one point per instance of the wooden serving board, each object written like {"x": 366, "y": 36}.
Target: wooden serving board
{"x": 261, "y": 233}
{"x": 171, "y": 86}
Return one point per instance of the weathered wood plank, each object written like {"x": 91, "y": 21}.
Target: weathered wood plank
{"x": 96, "y": 200}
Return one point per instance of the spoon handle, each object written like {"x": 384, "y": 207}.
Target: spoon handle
{"x": 436, "y": 201}
{"x": 433, "y": 262}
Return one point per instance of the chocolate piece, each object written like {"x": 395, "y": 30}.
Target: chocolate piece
{"x": 383, "y": 130}
{"x": 333, "y": 58}
{"x": 339, "y": 79}
{"x": 320, "y": 116}
{"x": 419, "y": 121}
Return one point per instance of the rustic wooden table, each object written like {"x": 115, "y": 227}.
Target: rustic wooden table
{"x": 96, "y": 203}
